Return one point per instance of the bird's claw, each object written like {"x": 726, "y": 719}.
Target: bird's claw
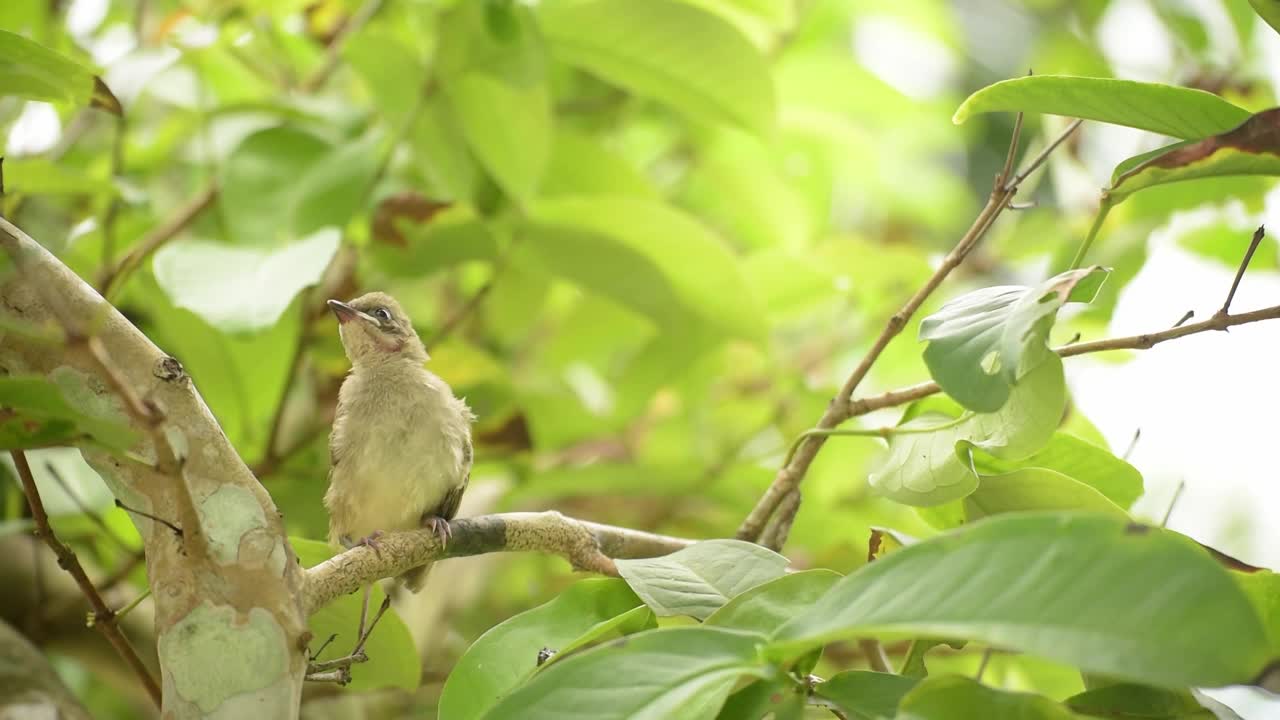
{"x": 371, "y": 541}
{"x": 440, "y": 527}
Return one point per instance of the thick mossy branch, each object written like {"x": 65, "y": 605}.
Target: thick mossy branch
{"x": 587, "y": 546}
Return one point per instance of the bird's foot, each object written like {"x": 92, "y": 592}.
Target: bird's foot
{"x": 440, "y": 527}
{"x": 371, "y": 541}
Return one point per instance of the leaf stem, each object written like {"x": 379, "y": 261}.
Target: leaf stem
{"x": 1104, "y": 208}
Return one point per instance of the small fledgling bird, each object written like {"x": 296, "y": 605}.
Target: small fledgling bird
{"x": 400, "y": 451}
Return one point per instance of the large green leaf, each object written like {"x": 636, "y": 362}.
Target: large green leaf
{"x": 981, "y": 344}
{"x": 35, "y": 413}
{"x": 492, "y": 67}
{"x": 670, "y": 51}
{"x": 241, "y": 288}
{"x": 647, "y": 256}
{"x": 1268, "y": 10}
{"x": 1035, "y": 488}
{"x": 33, "y": 71}
{"x": 1250, "y": 148}
{"x": 928, "y": 466}
{"x": 1165, "y": 109}
{"x": 1085, "y": 462}
{"x": 506, "y": 655}
{"x": 764, "y": 608}
{"x": 699, "y": 579}
{"x": 776, "y": 697}
{"x": 1109, "y": 596}
{"x": 281, "y": 184}
{"x": 1127, "y": 700}
{"x": 393, "y": 658}
{"x": 951, "y": 697}
{"x": 683, "y": 672}
{"x": 866, "y": 695}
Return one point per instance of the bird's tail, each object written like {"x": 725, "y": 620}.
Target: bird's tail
{"x": 415, "y": 579}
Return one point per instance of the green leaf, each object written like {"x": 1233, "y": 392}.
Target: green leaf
{"x": 1085, "y": 462}
{"x": 1126, "y": 700}
{"x": 684, "y": 672}
{"x": 38, "y": 176}
{"x": 580, "y": 164}
{"x": 1263, "y": 590}
{"x": 1165, "y": 109}
{"x": 281, "y": 184}
{"x": 699, "y": 579}
{"x": 506, "y": 655}
{"x": 981, "y": 344}
{"x": 1251, "y": 148}
{"x": 241, "y": 288}
{"x": 934, "y": 467}
{"x": 951, "y": 697}
{"x": 776, "y": 694}
{"x": 35, "y": 413}
{"x": 453, "y": 237}
{"x": 1035, "y": 489}
{"x": 393, "y": 658}
{"x": 492, "y": 68}
{"x": 647, "y": 256}
{"x": 1109, "y": 596}
{"x": 766, "y": 607}
{"x": 669, "y": 51}
{"x": 33, "y": 71}
{"x": 866, "y": 695}
{"x": 1268, "y": 10}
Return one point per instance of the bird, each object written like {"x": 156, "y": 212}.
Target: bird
{"x": 400, "y": 450}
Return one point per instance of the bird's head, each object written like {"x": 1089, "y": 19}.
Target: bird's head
{"x": 375, "y": 329}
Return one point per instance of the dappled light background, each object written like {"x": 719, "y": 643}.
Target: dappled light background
{"x": 644, "y": 380}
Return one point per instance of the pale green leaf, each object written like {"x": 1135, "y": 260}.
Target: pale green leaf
{"x": 866, "y": 695}
{"x": 1165, "y": 109}
{"x": 492, "y": 68}
{"x": 765, "y": 607}
{"x": 951, "y": 697}
{"x": 645, "y": 255}
{"x": 684, "y": 672}
{"x": 505, "y": 656}
{"x": 983, "y": 343}
{"x": 670, "y": 51}
{"x": 929, "y": 466}
{"x": 701, "y": 578}
{"x": 33, "y": 71}
{"x": 241, "y": 288}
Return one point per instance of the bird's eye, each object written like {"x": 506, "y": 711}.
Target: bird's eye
{"x": 382, "y": 314}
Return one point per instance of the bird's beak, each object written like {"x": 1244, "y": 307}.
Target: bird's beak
{"x": 344, "y": 311}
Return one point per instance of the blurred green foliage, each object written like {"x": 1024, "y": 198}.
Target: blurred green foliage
{"x": 648, "y": 240}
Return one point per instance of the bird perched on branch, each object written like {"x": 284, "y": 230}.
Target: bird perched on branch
{"x": 400, "y": 451}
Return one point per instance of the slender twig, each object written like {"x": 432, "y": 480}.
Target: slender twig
{"x": 84, "y": 509}
{"x": 874, "y": 652}
{"x": 461, "y": 314}
{"x": 1258, "y": 234}
{"x": 133, "y": 604}
{"x": 1104, "y": 209}
{"x": 902, "y": 396}
{"x": 1173, "y": 502}
{"x": 982, "y": 664}
{"x": 1185, "y": 317}
{"x": 112, "y": 212}
{"x": 791, "y": 474}
{"x": 1133, "y": 443}
{"x": 104, "y": 617}
{"x": 115, "y": 276}
{"x": 177, "y": 531}
{"x": 333, "y": 53}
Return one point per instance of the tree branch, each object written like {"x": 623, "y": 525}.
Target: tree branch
{"x": 104, "y": 617}
{"x": 114, "y": 276}
{"x": 588, "y": 546}
{"x": 911, "y": 393}
{"x": 790, "y": 475}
